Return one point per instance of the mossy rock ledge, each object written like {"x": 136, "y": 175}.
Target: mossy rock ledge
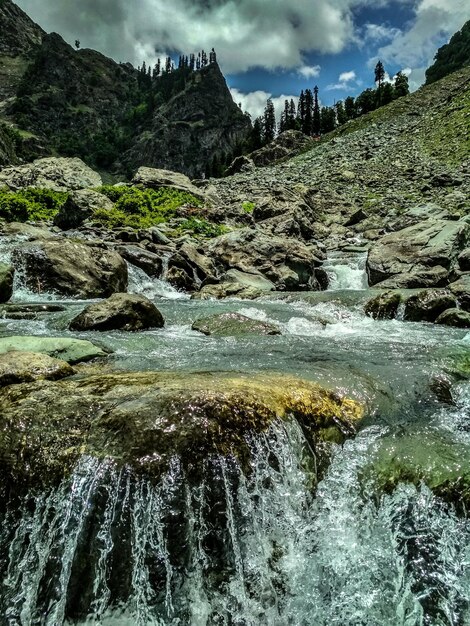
{"x": 144, "y": 419}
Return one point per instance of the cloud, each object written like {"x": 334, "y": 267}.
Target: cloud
{"x": 346, "y": 80}
{"x": 246, "y": 33}
{"x": 309, "y": 71}
{"x": 255, "y": 102}
{"x": 380, "y": 32}
{"x": 345, "y": 77}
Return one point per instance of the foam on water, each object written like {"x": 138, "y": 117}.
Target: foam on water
{"x": 140, "y": 282}
{"x": 346, "y": 270}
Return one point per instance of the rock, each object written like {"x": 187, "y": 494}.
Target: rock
{"x": 28, "y": 311}
{"x": 384, "y": 306}
{"x": 71, "y": 268}
{"x": 356, "y": 217}
{"x": 286, "y": 144}
{"x": 446, "y": 179}
{"x": 180, "y": 279}
{"x": 461, "y": 290}
{"x": 464, "y": 260}
{"x": 233, "y": 324}
{"x": 201, "y": 265}
{"x": 143, "y": 420}
{"x": 151, "y": 263}
{"x": 427, "y": 305}
{"x": 417, "y": 277}
{"x": 417, "y": 248}
{"x": 454, "y": 317}
{"x": 254, "y": 281}
{"x": 6, "y": 282}
{"x": 240, "y": 164}
{"x": 121, "y": 311}
{"x": 26, "y": 231}
{"x": 80, "y": 206}
{"x": 227, "y": 290}
{"x": 63, "y": 348}
{"x": 59, "y": 174}
{"x": 288, "y": 263}
{"x": 22, "y": 367}
{"x": 153, "y": 178}
{"x": 158, "y": 237}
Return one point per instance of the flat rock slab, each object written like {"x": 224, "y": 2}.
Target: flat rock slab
{"x": 69, "y": 350}
{"x": 23, "y": 367}
{"x": 234, "y": 324}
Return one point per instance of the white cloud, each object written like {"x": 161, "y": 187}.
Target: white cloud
{"x": 345, "y": 77}
{"x": 309, "y": 71}
{"x": 379, "y": 32}
{"x": 255, "y": 102}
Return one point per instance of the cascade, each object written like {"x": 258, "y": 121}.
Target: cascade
{"x": 346, "y": 270}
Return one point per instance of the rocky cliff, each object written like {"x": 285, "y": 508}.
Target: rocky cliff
{"x": 81, "y": 103}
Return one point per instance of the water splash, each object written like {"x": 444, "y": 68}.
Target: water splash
{"x": 140, "y": 282}
{"x": 346, "y": 270}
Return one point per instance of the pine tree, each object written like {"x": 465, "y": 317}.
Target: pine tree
{"x": 350, "y": 108}
{"x": 192, "y": 62}
{"x": 168, "y": 65}
{"x": 212, "y": 56}
{"x": 327, "y": 120}
{"x": 307, "y": 126}
{"x": 340, "y": 112}
{"x": 301, "y": 110}
{"x": 379, "y": 74}
{"x": 285, "y": 116}
{"x": 388, "y": 93}
{"x": 269, "y": 122}
{"x": 198, "y": 61}
{"x": 256, "y": 137}
{"x": 402, "y": 87}
{"x": 316, "y": 113}
{"x": 292, "y": 115}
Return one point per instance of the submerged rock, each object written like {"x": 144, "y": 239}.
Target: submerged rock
{"x": 29, "y": 311}
{"x": 6, "y": 282}
{"x": 122, "y": 311}
{"x": 233, "y": 324}
{"x": 144, "y": 419}
{"x": 21, "y": 367}
{"x": 64, "y": 348}
{"x": 71, "y": 268}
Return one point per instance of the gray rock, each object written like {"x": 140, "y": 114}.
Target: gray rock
{"x": 63, "y": 348}
{"x": 59, "y": 174}
{"x": 417, "y": 277}
{"x": 254, "y": 281}
{"x": 158, "y": 237}
{"x": 151, "y": 263}
{"x": 233, "y": 324}
{"x": 71, "y": 268}
{"x": 227, "y": 290}
{"x": 80, "y": 206}
{"x": 121, "y": 311}
{"x": 6, "y": 282}
{"x": 384, "y": 306}
{"x": 24, "y": 367}
{"x": 427, "y": 305}
{"x": 153, "y": 178}
{"x": 464, "y": 260}
{"x": 461, "y": 289}
{"x": 454, "y": 317}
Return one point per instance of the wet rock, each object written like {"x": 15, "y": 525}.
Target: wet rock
{"x": 28, "y": 311}
{"x": 427, "y": 305}
{"x": 59, "y": 174}
{"x": 384, "y": 306}
{"x": 461, "y": 289}
{"x": 121, "y": 311}
{"x": 6, "y": 282}
{"x": 80, "y": 206}
{"x": 180, "y": 279}
{"x": 21, "y": 367}
{"x": 71, "y": 268}
{"x": 63, "y": 348}
{"x": 227, "y": 290}
{"x": 233, "y": 324}
{"x": 417, "y": 277}
{"x": 454, "y": 317}
{"x": 254, "y": 281}
{"x": 145, "y": 419}
{"x": 151, "y": 263}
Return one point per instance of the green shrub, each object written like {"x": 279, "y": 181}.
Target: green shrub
{"x": 31, "y": 204}
{"x": 248, "y": 207}
{"x": 202, "y": 227}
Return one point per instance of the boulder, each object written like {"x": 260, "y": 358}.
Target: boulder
{"x": 227, "y": 290}
{"x": 384, "y": 306}
{"x": 143, "y": 420}
{"x": 59, "y": 174}
{"x": 121, "y": 311}
{"x": 288, "y": 263}
{"x": 153, "y": 178}
{"x": 286, "y": 144}
{"x": 255, "y": 281}
{"x": 80, "y": 206}
{"x": 23, "y": 367}
{"x": 151, "y": 263}
{"x": 454, "y": 317}
{"x": 6, "y": 282}
{"x": 240, "y": 164}
{"x": 29, "y": 311}
{"x": 434, "y": 242}
{"x": 233, "y": 324}
{"x": 417, "y": 277}
{"x": 71, "y": 268}
{"x": 63, "y": 348}
{"x": 427, "y": 305}
{"x": 464, "y": 260}
{"x": 461, "y": 290}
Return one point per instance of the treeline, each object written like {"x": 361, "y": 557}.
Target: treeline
{"x": 314, "y": 121}
{"x": 191, "y": 63}
{"x": 452, "y": 56}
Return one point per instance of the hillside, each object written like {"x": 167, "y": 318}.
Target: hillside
{"x": 452, "y": 56}
{"x": 81, "y": 103}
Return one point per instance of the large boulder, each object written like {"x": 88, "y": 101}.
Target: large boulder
{"x": 227, "y": 290}
{"x": 288, "y": 263}
{"x": 461, "y": 290}
{"x": 427, "y": 305}
{"x": 144, "y": 420}
{"x": 121, "y": 311}
{"x": 416, "y": 277}
{"x": 149, "y": 262}
{"x": 383, "y": 306}
{"x": 71, "y": 268}
{"x": 80, "y": 206}
{"x": 434, "y": 242}
{"x": 63, "y": 348}
{"x": 233, "y": 324}
{"x": 154, "y": 178}
{"x": 59, "y": 174}
{"x": 287, "y": 144}
{"x": 23, "y": 367}
{"x": 6, "y": 282}
{"x": 454, "y": 317}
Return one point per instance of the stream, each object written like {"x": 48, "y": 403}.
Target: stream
{"x": 110, "y": 548}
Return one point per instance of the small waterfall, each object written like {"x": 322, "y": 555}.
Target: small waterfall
{"x": 140, "y": 282}
{"x": 346, "y": 270}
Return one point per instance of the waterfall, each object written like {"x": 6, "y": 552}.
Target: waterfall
{"x": 234, "y": 547}
{"x": 346, "y": 270}
{"x": 140, "y": 282}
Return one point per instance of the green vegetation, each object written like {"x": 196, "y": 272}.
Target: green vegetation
{"x": 36, "y": 205}
{"x": 452, "y": 56}
{"x": 202, "y": 227}
{"x": 248, "y": 207}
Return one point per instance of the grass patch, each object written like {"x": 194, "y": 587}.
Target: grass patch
{"x": 248, "y": 207}
{"x": 201, "y": 227}
{"x": 32, "y": 204}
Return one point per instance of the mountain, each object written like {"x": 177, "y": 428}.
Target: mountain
{"x": 452, "y": 56}
{"x": 81, "y": 103}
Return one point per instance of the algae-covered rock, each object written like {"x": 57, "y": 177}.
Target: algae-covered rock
{"x": 64, "y": 348}
{"x": 442, "y": 464}
{"x": 144, "y": 419}
{"x": 384, "y": 306}
{"x": 121, "y": 311}
{"x": 233, "y": 324}
{"x": 20, "y": 367}
{"x": 6, "y": 282}
{"x": 454, "y": 317}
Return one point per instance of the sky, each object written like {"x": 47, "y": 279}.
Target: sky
{"x": 266, "y": 48}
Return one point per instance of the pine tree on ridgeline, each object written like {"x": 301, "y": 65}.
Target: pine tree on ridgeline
{"x": 316, "y": 113}
{"x": 379, "y": 76}
{"x": 269, "y": 122}
{"x": 402, "y": 87}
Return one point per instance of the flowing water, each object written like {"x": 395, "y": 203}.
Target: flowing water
{"x": 107, "y": 547}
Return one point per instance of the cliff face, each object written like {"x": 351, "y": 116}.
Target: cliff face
{"x": 81, "y": 103}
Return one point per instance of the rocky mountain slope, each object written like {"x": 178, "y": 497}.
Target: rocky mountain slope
{"x": 81, "y": 103}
